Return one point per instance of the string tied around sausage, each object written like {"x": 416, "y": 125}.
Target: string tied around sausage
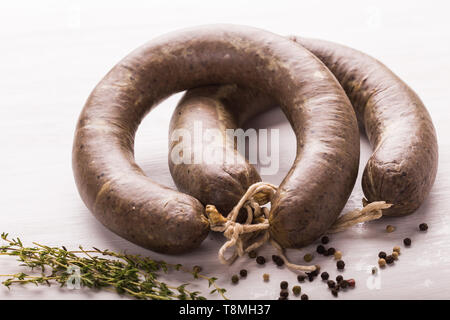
{"x": 239, "y": 235}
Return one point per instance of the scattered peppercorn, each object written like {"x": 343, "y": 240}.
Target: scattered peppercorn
{"x": 374, "y": 270}
{"x": 235, "y": 278}
{"x": 343, "y": 284}
{"x": 381, "y": 262}
{"x": 296, "y": 290}
{"x": 266, "y": 277}
{"x": 331, "y": 251}
{"x": 260, "y": 260}
{"x": 325, "y": 275}
{"x": 395, "y": 255}
{"x": 197, "y": 269}
{"x": 339, "y": 278}
{"x": 278, "y": 261}
{"x": 407, "y": 241}
{"x": 337, "y": 255}
{"x": 423, "y": 227}
{"x": 331, "y": 284}
{"x": 310, "y": 276}
{"x": 304, "y": 297}
{"x": 308, "y": 257}
{"x": 283, "y": 284}
{"x": 243, "y": 273}
{"x": 316, "y": 271}
{"x": 397, "y": 249}
{"x": 320, "y": 249}
{"x": 382, "y": 255}
{"x": 351, "y": 283}
{"x": 252, "y": 254}
{"x": 334, "y": 292}
{"x": 389, "y": 259}
{"x": 390, "y": 228}
{"x": 325, "y": 240}
{"x": 284, "y": 293}
{"x": 340, "y": 265}
{"x": 301, "y": 278}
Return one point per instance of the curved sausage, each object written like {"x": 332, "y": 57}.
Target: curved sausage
{"x": 116, "y": 190}
{"x": 224, "y": 181}
{"x": 403, "y": 166}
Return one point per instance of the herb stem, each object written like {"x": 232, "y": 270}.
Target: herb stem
{"x": 133, "y": 275}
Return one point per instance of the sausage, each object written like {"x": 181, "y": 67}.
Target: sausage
{"x": 221, "y": 182}
{"x": 118, "y": 193}
{"x": 403, "y": 165}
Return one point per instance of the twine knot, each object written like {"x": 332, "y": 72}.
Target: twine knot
{"x": 255, "y": 229}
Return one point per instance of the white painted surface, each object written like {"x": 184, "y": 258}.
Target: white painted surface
{"x": 54, "y": 52}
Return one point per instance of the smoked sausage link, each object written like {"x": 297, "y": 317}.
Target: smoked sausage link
{"x": 403, "y": 166}
{"x": 118, "y": 193}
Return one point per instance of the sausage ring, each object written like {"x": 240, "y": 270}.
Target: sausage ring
{"x": 118, "y": 193}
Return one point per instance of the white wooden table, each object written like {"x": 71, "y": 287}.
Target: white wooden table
{"x": 54, "y": 52}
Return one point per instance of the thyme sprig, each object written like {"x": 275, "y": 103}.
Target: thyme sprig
{"x": 128, "y": 274}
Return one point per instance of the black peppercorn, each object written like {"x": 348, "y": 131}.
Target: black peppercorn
{"x": 331, "y": 251}
{"x": 325, "y": 240}
{"x": 389, "y": 259}
{"x": 423, "y": 227}
{"x": 331, "y": 284}
{"x": 310, "y": 276}
{"x": 334, "y": 292}
{"x": 407, "y": 241}
{"x": 284, "y": 293}
{"x": 260, "y": 260}
{"x": 320, "y": 249}
{"x": 339, "y": 279}
{"x": 278, "y": 261}
{"x": 340, "y": 265}
{"x": 325, "y": 275}
{"x": 301, "y": 278}
{"x": 283, "y": 284}
{"x": 344, "y": 284}
{"x": 235, "y": 279}
{"x": 304, "y": 297}
{"x": 382, "y": 255}
{"x": 243, "y": 273}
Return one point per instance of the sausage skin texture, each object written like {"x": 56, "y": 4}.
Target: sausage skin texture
{"x": 403, "y": 166}
{"x": 118, "y": 193}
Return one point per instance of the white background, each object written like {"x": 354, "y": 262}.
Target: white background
{"x": 54, "y": 52}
